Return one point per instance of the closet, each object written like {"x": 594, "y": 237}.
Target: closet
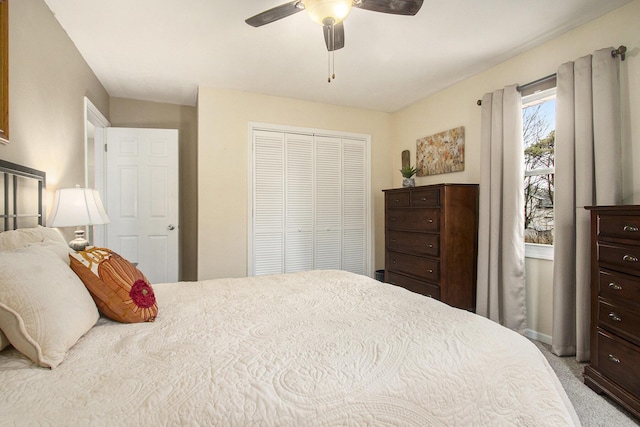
{"x": 309, "y": 196}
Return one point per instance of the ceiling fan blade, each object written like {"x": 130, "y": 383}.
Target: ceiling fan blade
{"x": 397, "y": 7}
{"x": 274, "y": 14}
{"x": 338, "y": 36}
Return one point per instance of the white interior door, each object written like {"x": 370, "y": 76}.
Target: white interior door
{"x": 142, "y": 199}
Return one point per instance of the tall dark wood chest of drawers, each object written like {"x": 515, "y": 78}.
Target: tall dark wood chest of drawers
{"x": 431, "y": 241}
{"x": 614, "y": 368}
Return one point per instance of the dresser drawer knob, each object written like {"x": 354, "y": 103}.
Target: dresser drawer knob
{"x": 393, "y": 218}
{"x": 397, "y": 200}
{"x": 430, "y": 271}
{"x": 630, "y": 228}
{"x": 629, "y": 258}
{"x": 615, "y": 286}
{"x": 430, "y": 245}
{"x": 424, "y": 199}
{"x": 430, "y": 221}
{"x": 615, "y": 317}
{"x": 614, "y": 359}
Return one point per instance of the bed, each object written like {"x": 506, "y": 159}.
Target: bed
{"x": 311, "y": 348}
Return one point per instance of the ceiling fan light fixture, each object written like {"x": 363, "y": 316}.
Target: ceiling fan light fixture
{"x": 328, "y": 11}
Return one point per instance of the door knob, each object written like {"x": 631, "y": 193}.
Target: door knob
{"x": 171, "y": 227}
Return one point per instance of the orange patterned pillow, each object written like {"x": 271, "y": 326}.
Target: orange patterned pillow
{"x": 120, "y": 290}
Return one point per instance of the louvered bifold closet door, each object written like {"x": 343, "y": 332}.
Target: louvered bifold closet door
{"x": 268, "y": 202}
{"x": 328, "y": 203}
{"x": 299, "y": 203}
{"x": 310, "y": 203}
{"x": 354, "y": 206}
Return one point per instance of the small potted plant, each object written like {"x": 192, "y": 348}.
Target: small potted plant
{"x": 407, "y": 172}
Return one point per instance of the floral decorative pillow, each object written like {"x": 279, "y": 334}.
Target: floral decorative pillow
{"x": 120, "y": 290}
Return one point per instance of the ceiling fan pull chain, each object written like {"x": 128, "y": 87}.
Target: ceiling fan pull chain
{"x": 333, "y": 66}
{"x": 333, "y": 50}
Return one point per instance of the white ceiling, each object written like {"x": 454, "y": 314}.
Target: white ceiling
{"x": 162, "y": 50}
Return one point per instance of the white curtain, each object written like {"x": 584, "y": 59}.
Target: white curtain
{"x": 501, "y": 294}
{"x": 587, "y": 172}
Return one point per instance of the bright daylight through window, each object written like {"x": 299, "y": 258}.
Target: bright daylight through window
{"x": 538, "y": 124}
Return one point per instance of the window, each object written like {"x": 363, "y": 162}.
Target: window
{"x": 538, "y": 124}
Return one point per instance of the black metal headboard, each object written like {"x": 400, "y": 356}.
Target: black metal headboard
{"x": 17, "y": 209}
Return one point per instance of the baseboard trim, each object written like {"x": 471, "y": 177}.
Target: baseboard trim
{"x": 535, "y": 335}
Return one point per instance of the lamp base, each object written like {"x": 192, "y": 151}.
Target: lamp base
{"x": 79, "y": 243}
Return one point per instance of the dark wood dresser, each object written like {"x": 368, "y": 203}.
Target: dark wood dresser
{"x": 431, "y": 241}
{"x": 614, "y": 368}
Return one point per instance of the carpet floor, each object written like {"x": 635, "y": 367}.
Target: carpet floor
{"x": 592, "y": 409}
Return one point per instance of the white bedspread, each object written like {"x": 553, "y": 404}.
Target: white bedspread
{"x": 313, "y": 348}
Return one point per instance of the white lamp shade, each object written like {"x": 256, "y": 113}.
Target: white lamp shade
{"x": 77, "y": 207}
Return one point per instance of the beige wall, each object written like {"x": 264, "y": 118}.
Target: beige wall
{"x": 144, "y": 114}
{"x": 48, "y": 79}
{"x": 223, "y": 118}
{"x": 456, "y": 106}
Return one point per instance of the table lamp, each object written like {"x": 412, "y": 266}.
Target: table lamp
{"x": 77, "y": 207}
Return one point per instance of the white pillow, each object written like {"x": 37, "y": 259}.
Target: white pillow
{"x": 4, "y": 341}
{"x": 60, "y": 249}
{"x": 16, "y": 239}
{"x": 44, "y": 307}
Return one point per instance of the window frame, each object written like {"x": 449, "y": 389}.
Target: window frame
{"x": 538, "y": 250}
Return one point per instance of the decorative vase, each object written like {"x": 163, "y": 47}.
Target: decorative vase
{"x": 408, "y": 182}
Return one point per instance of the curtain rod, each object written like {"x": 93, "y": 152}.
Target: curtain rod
{"x": 520, "y": 88}
{"x": 535, "y": 82}
{"x": 620, "y": 51}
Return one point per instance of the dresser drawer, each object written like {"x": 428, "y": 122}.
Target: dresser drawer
{"x": 417, "y": 243}
{"x": 397, "y": 200}
{"x": 620, "y": 286}
{"x": 423, "y": 268}
{"x": 414, "y": 285}
{"x": 414, "y": 219}
{"x": 619, "y": 226}
{"x": 425, "y": 198}
{"x": 619, "y": 360}
{"x": 619, "y": 319}
{"x": 624, "y": 258}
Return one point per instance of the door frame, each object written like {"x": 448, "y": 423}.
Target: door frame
{"x": 255, "y": 126}
{"x": 94, "y": 125}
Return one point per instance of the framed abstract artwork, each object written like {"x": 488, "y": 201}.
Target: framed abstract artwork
{"x": 440, "y": 153}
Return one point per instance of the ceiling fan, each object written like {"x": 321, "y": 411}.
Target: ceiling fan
{"x": 331, "y": 13}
